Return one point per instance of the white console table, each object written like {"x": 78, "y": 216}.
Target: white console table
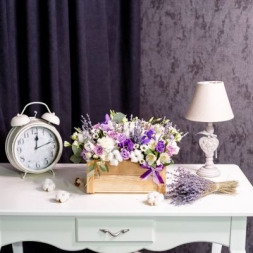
{"x": 27, "y": 213}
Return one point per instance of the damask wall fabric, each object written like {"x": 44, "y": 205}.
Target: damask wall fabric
{"x": 183, "y": 42}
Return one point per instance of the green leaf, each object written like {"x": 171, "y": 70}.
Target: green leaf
{"x": 76, "y": 150}
{"x": 104, "y": 167}
{"x": 118, "y": 117}
{"x": 91, "y": 166}
{"x": 150, "y": 121}
{"x": 90, "y": 174}
{"x": 148, "y": 151}
{"x": 75, "y": 159}
{"x": 78, "y": 130}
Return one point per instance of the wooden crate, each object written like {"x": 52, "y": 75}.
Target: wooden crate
{"x": 124, "y": 178}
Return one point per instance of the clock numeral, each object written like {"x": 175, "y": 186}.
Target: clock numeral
{"x": 35, "y": 130}
{"x": 52, "y": 154}
{"x": 19, "y": 150}
{"x": 38, "y": 165}
{"x": 26, "y": 135}
{"x": 22, "y": 158}
{"x": 28, "y": 163}
{"x": 46, "y": 162}
{"x": 53, "y": 145}
{"x": 21, "y": 141}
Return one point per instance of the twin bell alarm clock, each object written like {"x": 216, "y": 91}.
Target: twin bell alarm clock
{"x": 34, "y": 145}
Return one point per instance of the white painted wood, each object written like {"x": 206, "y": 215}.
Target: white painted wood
{"x": 238, "y": 235}
{"x": 27, "y": 213}
{"x": 89, "y": 229}
{"x": 216, "y": 248}
{"x": 17, "y": 247}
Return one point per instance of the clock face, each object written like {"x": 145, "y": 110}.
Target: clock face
{"x": 36, "y": 148}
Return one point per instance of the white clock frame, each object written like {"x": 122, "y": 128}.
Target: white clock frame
{"x": 27, "y": 123}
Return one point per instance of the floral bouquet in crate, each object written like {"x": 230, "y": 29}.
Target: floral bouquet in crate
{"x": 151, "y": 144}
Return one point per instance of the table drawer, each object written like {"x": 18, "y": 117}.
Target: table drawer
{"x": 114, "y": 229}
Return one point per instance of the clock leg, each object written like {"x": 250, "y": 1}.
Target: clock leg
{"x": 216, "y": 248}
{"x": 17, "y": 247}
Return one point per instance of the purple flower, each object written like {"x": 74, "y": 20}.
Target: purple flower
{"x": 98, "y": 150}
{"x": 160, "y": 146}
{"x": 125, "y": 154}
{"x": 121, "y": 138}
{"x": 186, "y": 187}
{"x": 107, "y": 118}
{"x": 150, "y": 134}
{"x": 127, "y": 144}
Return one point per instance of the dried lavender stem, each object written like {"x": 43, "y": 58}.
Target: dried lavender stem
{"x": 228, "y": 187}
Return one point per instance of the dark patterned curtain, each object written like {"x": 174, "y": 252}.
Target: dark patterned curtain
{"x": 77, "y": 56}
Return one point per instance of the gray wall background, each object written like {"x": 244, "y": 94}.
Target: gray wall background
{"x": 186, "y": 41}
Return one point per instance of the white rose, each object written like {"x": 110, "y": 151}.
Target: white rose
{"x": 107, "y": 143}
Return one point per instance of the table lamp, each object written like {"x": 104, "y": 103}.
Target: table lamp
{"x": 209, "y": 104}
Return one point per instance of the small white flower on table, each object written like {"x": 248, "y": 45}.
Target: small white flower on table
{"x": 155, "y": 198}
{"x": 62, "y": 196}
{"x": 48, "y": 185}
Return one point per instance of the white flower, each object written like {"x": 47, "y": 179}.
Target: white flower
{"x": 150, "y": 158}
{"x": 155, "y": 198}
{"x": 144, "y": 147}
{"x": 114, "y": 157}
{"x": 106, "y": 143}
{"x": 114, "y": 162}
{"x": 133, "y": 157}
{"x": 165, "y": 158}
{"x": 88, "y": 155}
{"x": 178, "y": 137}
{"x": 152, "y": 144}
{"x": 62, "y": 196}
{"x": 95, "y": 136}
{"x": 136, "y": 146}
{"x": 74, "y": 136}
{"x": 89, "y": 146}
{"x": 75, "y": 143}
{"x": 66, "y": 144}
{"x": 138, "y": 154}
{"x": 80, "y": 138}
{"x": 48, "y": 185}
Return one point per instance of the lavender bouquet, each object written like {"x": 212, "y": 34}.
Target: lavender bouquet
{"x": 151, "y": 143}
{"x": 187, "y": 187}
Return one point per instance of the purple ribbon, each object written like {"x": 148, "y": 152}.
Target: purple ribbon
{"x": 155, "y": 173}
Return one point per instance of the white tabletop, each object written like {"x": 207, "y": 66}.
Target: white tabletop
{"x": 26, "y": 197}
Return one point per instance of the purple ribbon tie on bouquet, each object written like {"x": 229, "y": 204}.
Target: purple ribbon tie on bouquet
{"x": 155, "y": 173}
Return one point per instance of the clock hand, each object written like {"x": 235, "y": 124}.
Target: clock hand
{"x": 43, "y": 144}
{"x": 36, "y": 140}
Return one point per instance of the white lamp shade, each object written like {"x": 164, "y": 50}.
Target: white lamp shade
{"x": 210, "y": 103}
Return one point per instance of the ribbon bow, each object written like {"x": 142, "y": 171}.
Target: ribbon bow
{"x": 155, "y": 173}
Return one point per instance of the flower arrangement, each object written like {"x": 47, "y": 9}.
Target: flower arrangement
{"x": 187, "y": 187}
{"x": 151, "y": 143}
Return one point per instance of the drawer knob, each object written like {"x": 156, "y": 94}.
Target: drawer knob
{"x": 122, "y": 231}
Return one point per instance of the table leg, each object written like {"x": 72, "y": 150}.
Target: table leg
{"x": 238, "y": 235}
{"x": 216, "y": 248}
{"x": 17, "y": 247}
